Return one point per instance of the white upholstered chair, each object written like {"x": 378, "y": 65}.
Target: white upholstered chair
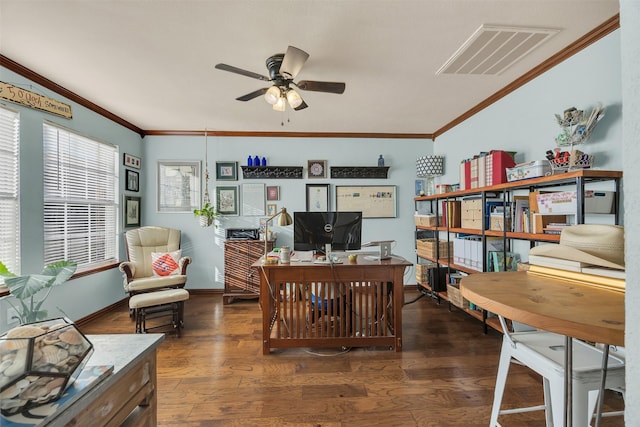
{"x": 543, "y": 352}
{"x": 152, "y": 248}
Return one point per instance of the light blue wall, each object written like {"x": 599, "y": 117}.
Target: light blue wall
{"x": 206, "y": 245}
{"x": 86, "y": 295}
{"x": 524, "y": 120}
{"x": 630, "y": 47}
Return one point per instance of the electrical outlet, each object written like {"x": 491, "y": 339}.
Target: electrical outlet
{"x": 12, "y": 315}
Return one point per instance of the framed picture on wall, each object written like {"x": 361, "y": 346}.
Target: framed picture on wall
{"x": 227, "y": 200}
{"x": 374, "y": 201}
{"x": 317, "y": 197}
{"x": 178, "y": 186}
{"x": 226, "y": 171}
{"x": 272, "y": 209}
{"x": 132, "y": 180}
{"x": 316, "y": 168}
{"x": 131, "y": 211}
{"x": 131, "y": 161}
{"x": 273, "y": 192}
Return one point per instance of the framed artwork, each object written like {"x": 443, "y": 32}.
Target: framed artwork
{"x": 131, "y": 211}
{"x": 252, "y": 199}
{"x": 272, "y": 209}
{"x": 420, "y": 187}
{"x": 132, "y": 180}
{"x": 316, "y": 168}
{"x": 226, "y": 171}
{"x": 317, "y": 197}
{"x": 178, "y": 186}
{"x": 131, "y": 161}
{"x": 374, "y": 201}
{"x": 227, "y": 200}
{"x": 273, "y": 192}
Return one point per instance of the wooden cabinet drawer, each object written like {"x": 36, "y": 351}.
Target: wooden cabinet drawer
{"x": 113, "y": 406}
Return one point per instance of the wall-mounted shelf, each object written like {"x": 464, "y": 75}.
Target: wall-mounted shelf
{"x": 262, "y": 172}
{"x": 379, "y": 172}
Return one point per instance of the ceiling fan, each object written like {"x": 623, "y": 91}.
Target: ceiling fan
{"x": 283, "y": 68}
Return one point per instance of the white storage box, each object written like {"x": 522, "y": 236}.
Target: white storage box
{"x": 566, "y": 202}
{"x": 528, "y": 170}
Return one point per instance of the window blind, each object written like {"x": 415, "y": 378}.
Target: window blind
{"x": 10, "y": 189}
{"x": 80, "y": 198}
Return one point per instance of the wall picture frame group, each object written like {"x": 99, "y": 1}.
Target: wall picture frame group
{"x": 132, "y": 180}
{"x": 226, "y": 171}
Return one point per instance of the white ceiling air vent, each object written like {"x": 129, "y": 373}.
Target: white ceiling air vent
{"x": 492, "y": 49}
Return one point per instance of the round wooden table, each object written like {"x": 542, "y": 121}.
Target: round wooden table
{"x": 565, "y": 307}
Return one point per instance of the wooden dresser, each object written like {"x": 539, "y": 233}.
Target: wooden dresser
{"x": 240, "y": 280}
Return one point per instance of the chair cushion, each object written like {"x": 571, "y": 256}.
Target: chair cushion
{"x": 165, "y": 263}
{"x": 155, "y": 282}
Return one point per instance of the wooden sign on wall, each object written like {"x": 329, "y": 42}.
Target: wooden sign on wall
{"x": 30, "y": 99}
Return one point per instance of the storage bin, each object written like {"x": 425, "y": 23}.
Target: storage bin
{"x": 426, "y": 220}
{"x": 566, "y": 202}
{"x": 455, "y": 297}
{"x": 528, "y": 170}
{"x": 471, "y": 216}
{"x": 426, "y": 248}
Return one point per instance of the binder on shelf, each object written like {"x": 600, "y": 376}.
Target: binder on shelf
{"x": 497, "y": 163}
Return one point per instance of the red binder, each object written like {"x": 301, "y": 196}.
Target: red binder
{"x": 497, "y": 163}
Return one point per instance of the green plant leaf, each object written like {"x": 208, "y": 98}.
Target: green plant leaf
{"x": 25, "y": 286}
{"x": 4, "y": 271}
{"x": 61, "y": 270}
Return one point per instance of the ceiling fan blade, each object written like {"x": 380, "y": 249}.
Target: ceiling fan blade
{"x": 331, "y": 87}
{"x": 301, "y": 106}
{"x": 254, "y": 94}
{"x": 292, "y": 62}
{"x": 237, "y": 70}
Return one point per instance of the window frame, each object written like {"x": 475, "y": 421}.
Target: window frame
{"x": 81, "y": 207}
{"x": 10, "y": 189}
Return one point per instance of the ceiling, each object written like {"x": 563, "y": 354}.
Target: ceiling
{"x": 151, "y": 63}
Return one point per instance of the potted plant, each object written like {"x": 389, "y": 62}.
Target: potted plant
{"x": 206, "y": 214}
{"x": 33, "y": 289}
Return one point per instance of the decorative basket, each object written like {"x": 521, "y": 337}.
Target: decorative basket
{"x": 39, "y": 361}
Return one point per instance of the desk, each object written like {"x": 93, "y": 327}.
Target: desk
{"x": 332, "y": 305}
{"x": 556, "y": 305}
{"x": 129, "y": 393}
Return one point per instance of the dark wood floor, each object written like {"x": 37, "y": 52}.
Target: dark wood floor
{"x": 216, "y": 375}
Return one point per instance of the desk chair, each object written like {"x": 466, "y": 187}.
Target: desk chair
{"x": 543, "y": 352}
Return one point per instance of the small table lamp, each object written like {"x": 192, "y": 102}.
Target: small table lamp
{"x": 429, "y": 167}
{"x": 284, "y": 220}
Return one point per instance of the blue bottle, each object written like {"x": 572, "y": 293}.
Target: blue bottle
{"x": 249, "y": 161}
{"x": 380, "y": 160}
{"x": 256, "y": 161}
{"x": 264, "y": 161}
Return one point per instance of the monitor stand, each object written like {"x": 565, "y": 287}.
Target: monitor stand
{"x": 384, "y": 249}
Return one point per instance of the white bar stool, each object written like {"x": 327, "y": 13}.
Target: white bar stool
{"x": 543, "y": 352}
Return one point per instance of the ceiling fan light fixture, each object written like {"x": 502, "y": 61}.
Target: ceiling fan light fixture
{"x": 280, "y": 104}
{"x": 294, "y": 98}
{"x": 273, "y": 95}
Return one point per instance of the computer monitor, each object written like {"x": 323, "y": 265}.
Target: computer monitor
{"x": 313, "y": 230}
